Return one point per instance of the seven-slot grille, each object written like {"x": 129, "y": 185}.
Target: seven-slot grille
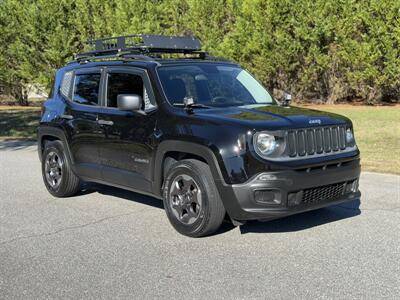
{"x": 317, "y": 140}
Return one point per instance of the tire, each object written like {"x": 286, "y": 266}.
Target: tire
{"x": 57, "y": 175}
{"x": 191, "y": 199}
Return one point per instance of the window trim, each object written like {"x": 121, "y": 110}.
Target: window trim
{"x": 128, "y": 70}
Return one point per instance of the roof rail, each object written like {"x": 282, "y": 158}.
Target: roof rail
{"x": 140, "y": 46}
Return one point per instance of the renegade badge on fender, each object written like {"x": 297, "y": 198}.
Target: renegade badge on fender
{"x": 198, "y": 132}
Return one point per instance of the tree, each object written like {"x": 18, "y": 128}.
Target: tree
{"x": 325, "y": 50}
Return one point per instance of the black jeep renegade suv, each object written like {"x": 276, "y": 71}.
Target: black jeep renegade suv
{"x": 198, "y": 132}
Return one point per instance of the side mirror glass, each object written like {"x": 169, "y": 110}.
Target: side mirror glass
{"x": 129, "y": 102}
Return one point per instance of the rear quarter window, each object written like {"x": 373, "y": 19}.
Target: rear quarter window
{"x": 66, "y": 84}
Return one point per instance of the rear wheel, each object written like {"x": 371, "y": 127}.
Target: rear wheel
{"x": 57, "y": 175}
{"x": 191, "y": 199}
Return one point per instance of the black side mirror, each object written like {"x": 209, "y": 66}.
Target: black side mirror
{"x": 129, "y": 102}
{"x": 287, "y": 98}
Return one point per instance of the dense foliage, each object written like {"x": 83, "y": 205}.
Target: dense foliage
{"x": 321, "y": 50}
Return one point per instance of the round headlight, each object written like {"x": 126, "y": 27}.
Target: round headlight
{"x": 349, "y": 136}
{"x": 265, "y": 143}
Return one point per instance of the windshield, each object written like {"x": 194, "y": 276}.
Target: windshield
{"x": 212, "y": 85}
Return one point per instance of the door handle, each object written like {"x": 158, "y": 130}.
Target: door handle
{"x": 105, "y": 122}
{"x": 67, "y": 117}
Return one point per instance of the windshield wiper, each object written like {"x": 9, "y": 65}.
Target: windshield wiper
{"x": 189, "y": 104}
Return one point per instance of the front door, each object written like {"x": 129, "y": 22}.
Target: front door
{"x": 81, "y": 123}
{"x": 128, "y": 143}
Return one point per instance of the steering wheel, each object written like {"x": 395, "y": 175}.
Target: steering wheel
{"x": 220, "y": 99}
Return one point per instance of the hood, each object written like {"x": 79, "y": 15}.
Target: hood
{"x": 272, "y": 116}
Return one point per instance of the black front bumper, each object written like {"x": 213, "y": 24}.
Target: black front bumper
{"x": 295, "y": 191}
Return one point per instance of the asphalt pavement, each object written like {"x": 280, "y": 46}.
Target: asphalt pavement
{"x": 109, "y": 243}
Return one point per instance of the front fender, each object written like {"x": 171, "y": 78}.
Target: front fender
{"x": 184, "y": 147}
{"x": 54, "y": 132}
{"x": 225, "y": 190}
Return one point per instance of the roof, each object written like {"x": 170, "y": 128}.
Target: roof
{"x": 144, "y": 63}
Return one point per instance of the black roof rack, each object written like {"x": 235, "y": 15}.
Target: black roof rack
{"x": 141, "y": 46}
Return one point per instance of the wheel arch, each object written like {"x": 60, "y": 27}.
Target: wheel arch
{"x": 171, "y": 151}
{"x": 52, "y": 134}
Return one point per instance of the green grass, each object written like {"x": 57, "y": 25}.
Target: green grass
{"x": 18, "y": 122}
{"x": 377, "y": 131}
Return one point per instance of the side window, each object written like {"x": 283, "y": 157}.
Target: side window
{"x": 125, "y": 83}
{"x": 65, "y": 88}
{"x": 86, "y": 89}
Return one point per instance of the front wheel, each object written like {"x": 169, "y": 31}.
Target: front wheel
{"x": 58, "y": 177}
{"x": 191, "y": 199}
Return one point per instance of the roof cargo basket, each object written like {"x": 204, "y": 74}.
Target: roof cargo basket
{"x": 142, "y": 45}
{"x": 149, "y": 42}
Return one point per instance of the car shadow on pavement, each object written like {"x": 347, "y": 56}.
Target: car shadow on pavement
{"x": 140, "y": 198}
{"x": 305, "y": 220}
{"x": 292, "y": 223}
{"x": 125, "y": 194}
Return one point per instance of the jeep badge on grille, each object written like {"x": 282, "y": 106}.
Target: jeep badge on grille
{"x": 315, "y": 121}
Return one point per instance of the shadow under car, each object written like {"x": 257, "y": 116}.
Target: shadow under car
{"x": 297, "y": 222}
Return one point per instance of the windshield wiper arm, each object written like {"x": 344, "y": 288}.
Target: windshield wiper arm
{"x": 194, "y": 105}
{"x": 197, "y": 105}
{"x": 188, "y": 106}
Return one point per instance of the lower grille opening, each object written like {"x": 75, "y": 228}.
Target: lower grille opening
{"x": 324, "y": 193}
{"x": 328, "y": 192}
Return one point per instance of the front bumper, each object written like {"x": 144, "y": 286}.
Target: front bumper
{"x": 294, "y": 191}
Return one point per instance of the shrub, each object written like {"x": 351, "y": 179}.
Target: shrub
{"x": 321, "y": 50}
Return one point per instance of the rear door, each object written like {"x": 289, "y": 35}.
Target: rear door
{"x": 81, "y": 115}
{"x": 127, "y": 147}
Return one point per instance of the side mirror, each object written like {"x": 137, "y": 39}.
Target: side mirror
{"x": 287, "y": 98}
{"x": 129, "y": 102}
{"x": 187, "y": 101}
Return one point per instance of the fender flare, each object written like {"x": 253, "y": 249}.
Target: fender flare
{"x": 57, "y": 133}
{"x": 185, "y": 147}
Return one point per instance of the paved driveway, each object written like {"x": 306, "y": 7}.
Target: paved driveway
{"x": 109, "y": 243}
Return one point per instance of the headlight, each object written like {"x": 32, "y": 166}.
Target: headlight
{"x": 349, "y": 136}
{"x": 265, "y": 143}
{"x": 350, "y": 141}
